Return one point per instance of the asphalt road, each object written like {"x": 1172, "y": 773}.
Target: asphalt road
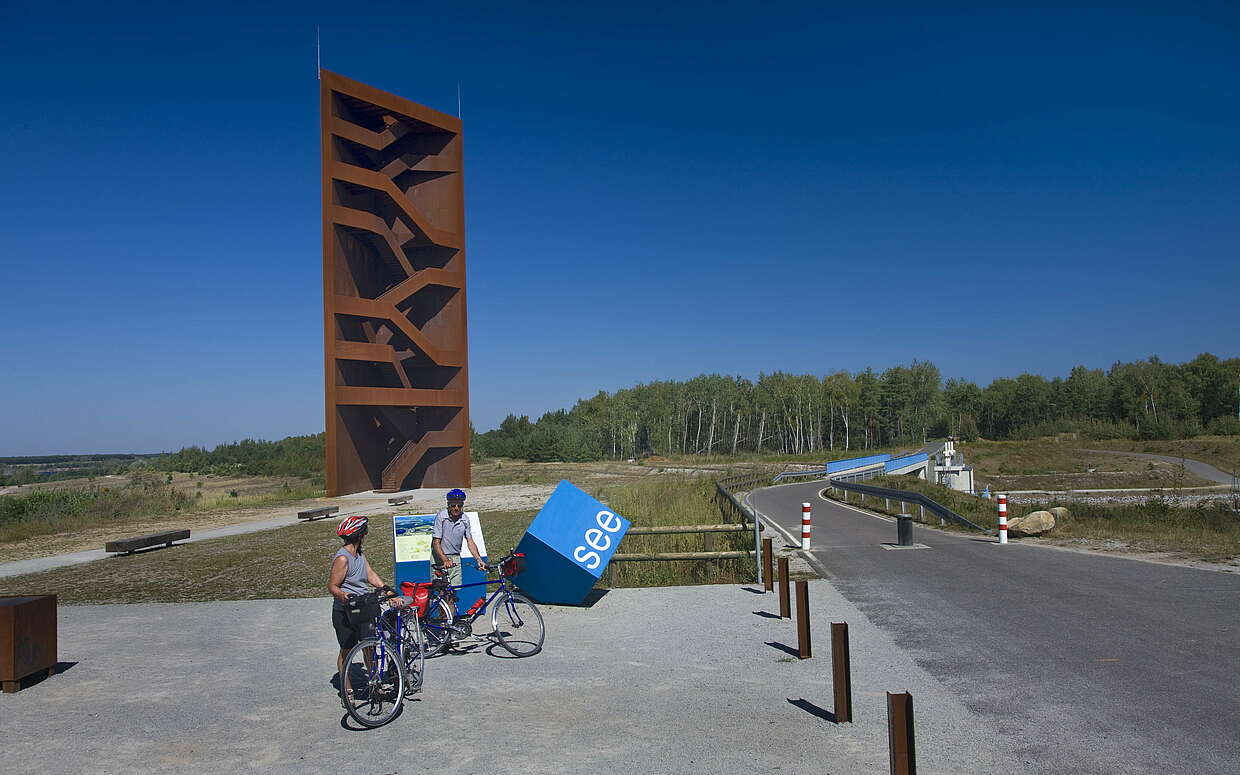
{"x": 1091, "y": 663}
{"x": 1194, "y": 467}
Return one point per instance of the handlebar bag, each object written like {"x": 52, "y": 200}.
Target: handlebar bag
{"x": 362, "y": 610}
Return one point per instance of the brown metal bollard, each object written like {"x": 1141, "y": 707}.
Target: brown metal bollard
{"x": 785, "y": 607}
{"x": 768, "y": 551}
{"x": 803, "y": 620}
{"x": 841, "y": 672}
{"x": 900, "y": 733}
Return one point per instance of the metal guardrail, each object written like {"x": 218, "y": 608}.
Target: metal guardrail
{"x": 727, "y": 500}
{"x": 780, "y": 477}
{"x": 907, "y": 497}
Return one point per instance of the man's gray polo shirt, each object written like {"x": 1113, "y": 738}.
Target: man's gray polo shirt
{"x": 451, "y": 534}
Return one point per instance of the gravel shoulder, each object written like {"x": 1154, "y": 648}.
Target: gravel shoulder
{"x": 671, "y": 680}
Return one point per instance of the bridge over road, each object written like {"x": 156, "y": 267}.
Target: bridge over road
{"x": 1089, "y": 663}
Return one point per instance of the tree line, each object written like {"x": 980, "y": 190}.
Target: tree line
{"x": 795, "y": 414}
{"x": 301, "y": 456}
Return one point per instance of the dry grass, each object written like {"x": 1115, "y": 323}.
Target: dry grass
{"x": 1205, "y": 531}
{"x": 675, "y": 502}
{"x": 292, "y": 561}
{"x": 282, "y": 563}
{"x": 1047, "y": 464}
{"x": 146, "y": 502}
{"x": 1222, "y": 452}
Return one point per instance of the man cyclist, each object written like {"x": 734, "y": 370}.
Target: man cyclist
{"x": 349, "y": 575}
{"x": 449, "y": 533}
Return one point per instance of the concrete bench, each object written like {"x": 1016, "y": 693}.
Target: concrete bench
{"x": 131, "y": 545}
{"x": 400, "y": 499}
{"x": 318, "y": 513}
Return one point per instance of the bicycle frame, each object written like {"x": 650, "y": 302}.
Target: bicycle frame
{"x": 504, "y": 589}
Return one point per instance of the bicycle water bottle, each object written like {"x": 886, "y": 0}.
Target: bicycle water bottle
{"x": 477, "y": 604}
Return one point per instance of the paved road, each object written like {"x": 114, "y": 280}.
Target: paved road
{"x": 1094, "y": 664}
{"x": 1195, "y": 467}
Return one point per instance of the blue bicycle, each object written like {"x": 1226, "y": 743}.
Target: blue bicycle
{"x": 382, "y": 669}
{"x": 516, "y": 623}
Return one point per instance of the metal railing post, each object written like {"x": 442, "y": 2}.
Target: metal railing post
{"x": 768, "y": 552}
{"x": 785, "y": 607}
{"x": 803, "y": 647}
{"x": 841, "y": 672}
{"x": 900, "y": 733}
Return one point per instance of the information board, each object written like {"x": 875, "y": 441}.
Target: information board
{"x": 411, "y": 549}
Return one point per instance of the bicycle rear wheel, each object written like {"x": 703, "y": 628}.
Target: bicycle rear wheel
{"x": 518, "y": 625}
{"x": 437, "y": 627}
{"x": 373, "y": 682}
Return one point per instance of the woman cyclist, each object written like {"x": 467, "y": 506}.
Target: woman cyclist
{"x": 349, "y": 575}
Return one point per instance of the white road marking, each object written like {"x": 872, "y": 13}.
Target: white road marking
{"x": 854, "y": 508}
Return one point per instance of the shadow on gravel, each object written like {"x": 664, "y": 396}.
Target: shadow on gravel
{"x": 754, "y": 591}
{"x": 40, "y": 677}
{"x": 145, "y": 550}
{"x": 765, "y": 614}
{"x": 813, "y": 709}
{"x": 786, "y": 649}
{"x": 593, "y": 597}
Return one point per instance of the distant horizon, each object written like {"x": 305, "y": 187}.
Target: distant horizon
{"x": 877, "y": 370}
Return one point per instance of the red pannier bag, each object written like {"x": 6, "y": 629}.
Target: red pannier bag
{"x": 513, "y": 566}
{"x": 420, "y": 593}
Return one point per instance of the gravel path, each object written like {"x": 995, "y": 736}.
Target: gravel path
{"x": 672, "y": 680}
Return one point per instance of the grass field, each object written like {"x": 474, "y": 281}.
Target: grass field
{"x": 1222, "y": 452}
{"x": 1208, "y": 531}
{"x": 1048, "y": 464}
{"x": 292, "y": 561}
{"x": 134, "y": 501}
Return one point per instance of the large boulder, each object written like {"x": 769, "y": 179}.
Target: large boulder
{"x": 1061, "y": 513}
{"x": 1033, "y": 524}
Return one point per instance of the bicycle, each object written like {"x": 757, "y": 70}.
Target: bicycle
{"x": 380, "y": 670}
{"x": 516, "y": 622}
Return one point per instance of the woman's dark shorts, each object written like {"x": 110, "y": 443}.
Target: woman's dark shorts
{"x": 346, "y": 636}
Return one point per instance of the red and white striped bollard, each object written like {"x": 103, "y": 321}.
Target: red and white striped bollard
{"x": 805, "y": 515}
{"x": 1003, "y": 519}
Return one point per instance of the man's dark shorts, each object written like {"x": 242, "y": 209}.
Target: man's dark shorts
{"x": 346, "y": 636}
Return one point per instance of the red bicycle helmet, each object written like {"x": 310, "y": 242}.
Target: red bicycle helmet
{"x": 352, "y": 526}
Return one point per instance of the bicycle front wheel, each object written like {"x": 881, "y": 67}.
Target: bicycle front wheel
{"x": 373, "y": 682}
{"x": 414, "y": 646}
{"x": 437, "y": 627}
{"x": 518, "y": 625}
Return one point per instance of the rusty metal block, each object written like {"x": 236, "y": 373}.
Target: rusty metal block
{"x": 27, "y": 637}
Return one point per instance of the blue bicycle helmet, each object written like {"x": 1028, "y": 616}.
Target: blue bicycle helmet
{"x": 456, "y": 495}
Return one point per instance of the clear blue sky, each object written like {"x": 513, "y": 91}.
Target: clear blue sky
{"x": 653, "y": 191}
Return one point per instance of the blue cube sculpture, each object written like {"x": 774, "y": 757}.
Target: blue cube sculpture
{"x": 568, "y": 545}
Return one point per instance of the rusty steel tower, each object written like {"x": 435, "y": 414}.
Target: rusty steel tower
{"x": 393, "y": 292}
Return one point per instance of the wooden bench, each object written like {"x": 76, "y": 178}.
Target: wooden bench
{"x": 318, "y": 513}
{"x": 131, "y": 545}
{"x": 400, "y": 499}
